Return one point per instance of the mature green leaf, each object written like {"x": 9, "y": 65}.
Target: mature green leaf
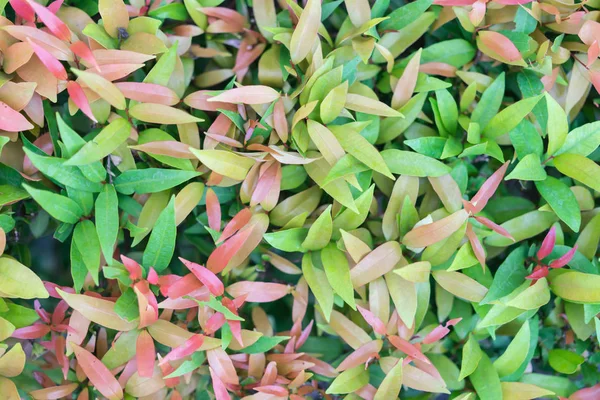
{"x": 161, "y": 245}
{"x": 60, "y": 207}
{"x": 562, "y": 200}
{"x": 151, "y": 180}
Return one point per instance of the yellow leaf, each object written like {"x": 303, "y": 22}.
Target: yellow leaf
{"x": 460, "y": 285}
{"x": 305, "y": 34}
{"x": 12, "y": 362}
{"x": 161, "y": 114}
{"x": 104, "y": 88}
{"x": 114, "y": 16}
{"x": 12, "y": 276}
{"x": 225, "y": 163}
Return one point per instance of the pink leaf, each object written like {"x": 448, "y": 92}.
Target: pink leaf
{"x": 81, "y": 50}
{"x": 539, "y": 272}
{"x": 591, "y": 393}
{"x": 495, "y": 227}
{"x": 478, "y": 12}
{"x": 564, "y": 259}
{"x": 152, "y": 276}
{"x": 487, "y": 190}
{"x": 236, "y": 223}
{"x": 213, "y": 209}
{"x": 134, "y": 269}
{"x": 148, "y": 93}
{"x": 209, "y": 279}
{"x": 219, "y": 258}
{"x": 23, "y": 10}
{"x": 36, "y": 331}
{"x": 361, "y": 355}
{"x": 185, "y": 349}
{"x": 377, "y": 324}
{"x": 438, "y": 333}
{"x": 11, "y": 120}
{"x": 476, "y": 246}
{"x": 500, "y": 45}
{"x": 258, "y": 292}
{"x": 98, "y": 374}
{"x": 145, "y": 354}
{"x": 49, "y": 61}
{"x": 218, "y": 386}
{"x": 78, "y": 96}
{"x": 547, "y": 244}
{"x": 52, "y": 22}
{"x": 408, "y": 348}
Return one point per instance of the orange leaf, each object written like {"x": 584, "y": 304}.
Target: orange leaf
{"x": 148, "y": 93}
{"x": 258, "y": 292}
{"x": 98, "y": 374}
{"x": 426, "y": 235}
{"x": 210, "y": 280}
{"x": 501, "y": 45}
{"x": 375, "y": 264}
{"x": 145, "y": 354}
{"x": 213, "y": 210}
{"x": 77, "y": 94}
{"x": 49, "y": 61}
{"x": 488, "y": 189}
{"x": 52, "y": 22}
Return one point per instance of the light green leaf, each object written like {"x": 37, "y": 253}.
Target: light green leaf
{"x": 319, "y": 232}
{"x": 489, "y": 104}
{"x": 318, "y": 284}
{"x": 507, "y": 119}
{"x": 337, "y": 271}
{"x": 103, "y": 144}
{"x": 558, "y": 125}
{"x": 349, "y": 381}
{"x": 516, "y": 352}
{"x": 18, "y": 281}
{"x": 528, "y": 169}
{"x": 579, "y": 168}
{"x": 225, "y": 163}
{"x": 151, "y": 180}
{"x": 60, "y": 207}
{"x": 107, "y": 220}
{"x": 564, "y": 361}
{"x": 289, "y": 240}
{"x": 413, "y": 164}
{"x": 577, "y": 287}
{"x": 485, "y": 380}
{"x": 583, "y": 140}
{"x": 161, "y": 244}
{"x": 471, "y": 355}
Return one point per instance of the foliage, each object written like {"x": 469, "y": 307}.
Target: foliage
{"x": 269, "y": 199}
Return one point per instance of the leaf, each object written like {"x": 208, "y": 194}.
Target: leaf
{"x": 255, "y": 94}
{"x": 289, "y": 240}
{"x": 12, "y": 362}
{"x": 523, "y": 391}
{"x": 579, "y": 168}
{"x": 225, "y": 163}
{"x": 319, "y": 285}
{"x": 357, "y": 102}
{"x": 413, "y": 164}
{"x": 349, "y": 137}
{"x": 103, "y": 87}
{"x": 507, "y": 119}
{"x": 583, "y": 140}
{"x": 11, "y": 120}
{"x": 489, "y": 104}
{"x": 161, "y": 114}
{"x": 337, "y": 271}
{"x": 501, "y": 45}
{"x": 526, "y": 140}
{"x": 558, "y": 125}
{"x": 126, "y": 305}
{"x": 60, "y": 207}
{"x": 97, "y": 310}
{"x": 528, "y": 169}
{"x": 57, "y": 169}
{"x": 264, "y": 344}
{"x": 485, "y": 380}
{"x": 325, "y": 141}
{"x": 576, "y": 287}
{"x": 349, "y": 381}
{"x": 460, "y": 285}
{"x": 103, "y": 144}
{"x": 403, "y": 16}
{"x": 564, "y": 361}
{"x": 378, "y": 262}
{"x": 319, "y": 232}
{"x": 562, "y": 200}
{"x": 428, "y": 234}
{"x": 161, "y": 244}
{"x": 471, "y": 355}
{"x": 88, "y": 244}
{"x": 13, "y": 274}
{"x": 151, "y": 180}
{"x": 107, "y": 220}
{"x": 516, "y": 352}
{"x": 509, "y": 276}
{"x": 391, "y": 384}
{"x": 98, "y": 374}
{"x": 305, "y": 34}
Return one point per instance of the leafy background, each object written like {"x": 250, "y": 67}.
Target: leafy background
{"x": 269, "y": 199}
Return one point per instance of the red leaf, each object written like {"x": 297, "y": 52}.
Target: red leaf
{"x": 52, "y": 22}
{"x": 78, "y": 96}
{"x": 547, "y": 244}
{"x": 81, "y": 50}
{"x": 98, "y": 374}
{"x": 237, "y": 223}
{"x": 539, "y": 272}
{"x": 23, "y": 10}
{"x": 134, "y": 269}
{"x": 361, "y": 355}
{"x": 410, "y": 349}
{"x": 564, "y": 259}
{"x": 476, "y": 246}
{"x": 213, "y": 210}
{"x": 479, "y": 201}
{"x": 495, "y": 227}
{"x": 49, "y": 61}
{"x": 219, "y": 258}
{"x": 209, "y": 279}
{"x": 145, "y": 354}
{"x": 185, "y": 349}
{"x": 31, "y": 332}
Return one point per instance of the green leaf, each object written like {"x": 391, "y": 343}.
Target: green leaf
{"x": 403, "y": 16}
{"x": 18, "y": 281}
{"x": 485, "y": 380}
{"x": 56, "y": 169}
{"x": 11, "y": 194}
{"x": 126, "y": 305}
{"x": 448, "y": 110}
{"x": 122, "y": 350}
{"x": 489, "y": 104}
{"x": 319, "y": 232}
{"x": 289, "y": 240}
{"x": 507, "y": 119}
{"x": 583, "y": 140}
{"x": 97, "y": 33}
{"x": 216, "y": 305}
{"x": 509, "y": 276}
{"x": 558, "y": 125}
{"x": 413, "y": 164}
{"x": 562, "y": 200}
{"x": 103, "y": 144}
{"x": 161, "y": 245}
{"x": 60, "y": 207}
{"x": 579, "y": 168}
{"x": 161, "y": 73}
{"x": 456, "y": 52}
{"x": 79, "y": 270}
{"x": 516, "y": 352}
{"x": 349, "y": 137}
{"x": 526, "y": 140}
{"x": 564, "y": 361}
{"x": 337, "y": 271}
{"x": 431, "y": 146}
{"x": 151, "y": 180}
{"x": 349, "y": 381}
{"x": 318, "y": 284}
{"x": 528, "y": 169}
{"x": 188, "y": 366}
{"x": 391, "y": 384}
{"x": 107, "y": 220}
{"x": 346, "y": 166}
{"x": 157, "y": 135}
{"x": 264, "y": 344}
{"x": 18, "y": 315}
{"x": 348, "y": 219}
{"x": 86, "y": 240}
{"x": 174, "y": 11}
{"x": 471, "y": 355}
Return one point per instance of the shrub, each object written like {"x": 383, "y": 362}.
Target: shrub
{"x": 268, "y": 200}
